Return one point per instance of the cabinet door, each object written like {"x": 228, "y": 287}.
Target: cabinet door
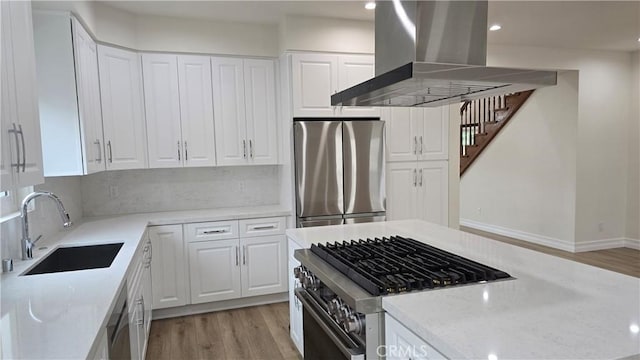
{"x": 260, "y": 97}
{"x": 229, "y": 110}
{"x": 264, "y": 264}
{"x": 214, "y": 270}
{"x": 162, "y": 106}
{"x": 22, "y": 93}
{"x": 352, "y": 70}
{"x": 196, "y": 110}
{"x": 123, "y": 121}
{"x": 168, "y": 266}
{"x": 402, "y": 178}
{"x": 402, "y": 127}
{"x": 433, "y": 197}
{"x": 403, "y": 344}
{"x": 295, "y": 307}
{"x": 136, "y": 322}
{"x": 433, "y": 140}
{"x": 314, "y": 79}
{"x": 10, "y": 151}
{"x": 87, "y": 79}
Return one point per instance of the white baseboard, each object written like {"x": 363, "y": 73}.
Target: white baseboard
{"x": 520, "y": 235}
{"x": 632, "y": 243}
{"x": 218, "y": 306}
{"x": 590, "y": 245}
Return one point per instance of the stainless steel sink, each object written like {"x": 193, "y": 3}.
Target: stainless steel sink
{"x": 77, "y": 258}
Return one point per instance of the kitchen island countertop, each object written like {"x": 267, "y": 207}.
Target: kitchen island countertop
{"x": 552, "y": 309}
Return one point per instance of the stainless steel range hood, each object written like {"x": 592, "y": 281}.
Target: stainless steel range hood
{"x": 432, "y": 53}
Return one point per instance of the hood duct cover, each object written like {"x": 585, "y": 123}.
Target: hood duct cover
{"x": 433, "y": 53}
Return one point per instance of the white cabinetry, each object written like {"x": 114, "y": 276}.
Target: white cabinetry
{"x": 122, "y": 109}
{"x": 179, "y": 110}
{"x": 416, "y": 133}
{"x": 69, "y": 95}
{"x": 402, "y": 344}
{"x": 21, "y": 159}
{"x": 224, "y": 266}
{"x": 245, "y": 111}
{"x": 101, "y": 352}
{"x": 295, "y": 306}
{"x": 139, "y": 300}
{"x": 168, "y": 268}
{"x": 315, "y": 77}
{"x": 418, "y": 190}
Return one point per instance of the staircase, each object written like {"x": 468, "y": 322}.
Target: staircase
{"x": 482, "y": 119}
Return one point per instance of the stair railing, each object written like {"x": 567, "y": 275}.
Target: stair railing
{"x": 474, "y": 115}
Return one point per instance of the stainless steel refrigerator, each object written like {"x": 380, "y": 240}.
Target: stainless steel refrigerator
{"x": 339, "y": 169}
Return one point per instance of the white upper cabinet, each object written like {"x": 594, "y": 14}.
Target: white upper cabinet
{"x": 122, "y": 112}
{"x": 352, "y": 70}
{"x": 245, "y": 111}
{"x": 68, "y": 94}
{"x": 315, "y": 77}
{"x": 87, "y": 78}
{"x": 416, "y": 133}
{"x": 162, "y": 105}
{"x": 21, "y": 163}
{"x": 196, "y": 110}
{"x": 179, "y": 110}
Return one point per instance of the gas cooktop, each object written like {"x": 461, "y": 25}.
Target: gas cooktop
{"x": 396, "y": 264}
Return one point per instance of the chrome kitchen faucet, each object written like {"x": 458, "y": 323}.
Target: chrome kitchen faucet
{"x": 26, "y": 243}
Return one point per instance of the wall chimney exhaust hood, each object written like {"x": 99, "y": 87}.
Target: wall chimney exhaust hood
{"x": 432, "y": 53}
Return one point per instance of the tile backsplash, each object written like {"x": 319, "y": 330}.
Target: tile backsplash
{"x": 150, "y": 190}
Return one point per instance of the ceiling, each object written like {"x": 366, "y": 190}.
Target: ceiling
{"x": 599, "y": 25}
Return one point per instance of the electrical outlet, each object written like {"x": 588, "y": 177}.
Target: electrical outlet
{"x": 113, "y": 192}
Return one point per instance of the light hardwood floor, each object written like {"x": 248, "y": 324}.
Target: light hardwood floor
{"x": 262, "y": 332}
{"x": 259, "y": 332}
{"x": 623, "y": 260}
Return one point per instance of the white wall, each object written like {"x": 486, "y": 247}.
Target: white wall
{"x": 151, "y": 190}
{"x": 44, "y": 220}
{"x": 303, "y": 33}
{"x": 603, "y": 113}
{"x": 633, "y": 186}
{"x": 525, "y": 180}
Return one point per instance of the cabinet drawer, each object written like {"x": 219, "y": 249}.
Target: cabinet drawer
{"x": 218, "y": 230}
{"x": 262, "y": 227}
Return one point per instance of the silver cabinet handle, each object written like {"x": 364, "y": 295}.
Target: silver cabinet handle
{"x": 251, "y": 148}
{"x": 14, "y": 131}
{"x": 420, "y": 144}
{"x": 237, "y": 256}
{"x": 415, "y": 145}
{"x": 143, "y": 312}
{"x": 267, "y": 227}
{"x": 415, "y": 178}
{"x": 179, "y": 157}
{"x": 110, "y": 153}
{"x": 244, "y": 149}
{"x": 214, "y": 232}
{"x": 244, "y": 255}
{"x": 97, "y": 143}
{"x": 420, "y": 177}
{"x": 186, "y": 152}
{"x": 150, "y": 252}
{"x": 24, "y": 150}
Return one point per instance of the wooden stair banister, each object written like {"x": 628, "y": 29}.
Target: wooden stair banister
{"x": 482, "y": 119}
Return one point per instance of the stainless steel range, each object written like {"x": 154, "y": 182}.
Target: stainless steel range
{"x": 343, "y": 284}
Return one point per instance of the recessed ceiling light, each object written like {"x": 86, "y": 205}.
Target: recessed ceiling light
{"x": 370, "y": 5}
{"x": 495, "y": 27}
{"x": 638, "y": 39}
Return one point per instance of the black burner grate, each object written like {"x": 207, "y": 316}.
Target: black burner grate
{"x": 396, "y": 264}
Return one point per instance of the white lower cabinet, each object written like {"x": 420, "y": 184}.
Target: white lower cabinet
{"x": 402, "y": 344}
{"x": 168, "y": 268}
{"x": 223, "y": 266}
{"x": 295, "y": 306}
{"x": 418, "y": 190}
{"x": 139, "y": 304}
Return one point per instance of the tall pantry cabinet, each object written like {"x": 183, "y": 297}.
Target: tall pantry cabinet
{"x": 21, "y": 159}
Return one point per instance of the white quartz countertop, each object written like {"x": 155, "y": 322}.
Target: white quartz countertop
{"x": 60, "y": 315}
{"x": 553, "y": 309}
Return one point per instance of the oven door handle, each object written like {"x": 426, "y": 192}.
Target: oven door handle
{"x": 321, "y": 318}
